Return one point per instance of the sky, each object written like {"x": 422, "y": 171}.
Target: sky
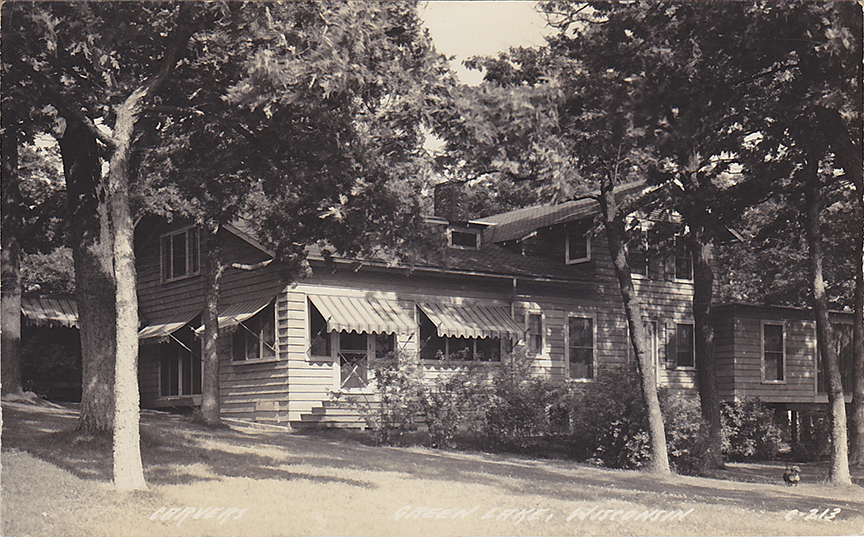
{"x": 465, "y": 28}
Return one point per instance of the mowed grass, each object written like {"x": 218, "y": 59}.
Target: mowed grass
{"x": 258, "y": 481}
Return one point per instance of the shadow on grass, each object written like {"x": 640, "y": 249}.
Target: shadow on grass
{"x": 171, "y": 450}
{"x": 177, "y": 450}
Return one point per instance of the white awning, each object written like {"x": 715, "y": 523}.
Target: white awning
{"x": 233, "y": 314}
{"x": 52, "y": 311}
{"x": 360, "y": 314}
{"x": 161, "y": 332}
{"x": 472, "y": 320}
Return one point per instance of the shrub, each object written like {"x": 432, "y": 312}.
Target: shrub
{"x": 519, "y": 405}
{"x": 394, "y": 408}
{"x": 609, "y": 420}
{"x": 451, "y": 402}
{"x": 686, "y": 441}
{"x": 749, "y": 431}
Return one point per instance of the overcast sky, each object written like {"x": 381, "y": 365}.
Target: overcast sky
{"x": 466, "y": 28}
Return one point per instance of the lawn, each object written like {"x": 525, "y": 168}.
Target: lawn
{"x": 266, "y": 481}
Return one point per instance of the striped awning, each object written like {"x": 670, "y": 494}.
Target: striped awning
{"x": 161, "y": 332}
{"x": 472, "y": 320}
{"x": 360, "y": 314}
{"x": 232, "y": 315}
{"x": 51, "y": 311}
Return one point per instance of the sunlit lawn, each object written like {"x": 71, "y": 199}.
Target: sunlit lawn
{"x": 248, "y": 481}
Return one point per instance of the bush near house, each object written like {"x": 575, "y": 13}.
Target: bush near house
{"x": 749, "y": 431}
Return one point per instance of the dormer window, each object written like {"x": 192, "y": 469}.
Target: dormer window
{"x": 180, "y": 252}
{"x": 465, "y": 239}
{"x": 578, "y": 246}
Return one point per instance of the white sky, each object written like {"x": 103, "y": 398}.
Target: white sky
{"x": 465, "y": 28}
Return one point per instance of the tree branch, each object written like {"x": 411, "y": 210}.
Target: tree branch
{"x": 256, "y": 266}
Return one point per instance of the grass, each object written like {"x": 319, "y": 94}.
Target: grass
{"x": 271, "y": 482}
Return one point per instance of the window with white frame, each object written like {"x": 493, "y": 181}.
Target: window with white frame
{"x": 685, "y": 346}
{"x": 637, "y": 251}
{"x": 180, "y": 364}
{"x": 580, "y": 347}
{"x": 255, "y": 338}
{"x": 319, "y": 337}
{"x": 534, "y": 332}
{"x": 578, "y": 244}
{"x": 773, "y": 352}
{"x": 435, "y": 347}
{"x": 463, "y": 238}
{"x": 180, "y": 253}
{"x": 683, "y": 260}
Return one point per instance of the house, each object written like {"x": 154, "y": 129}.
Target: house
{"x": 50, "y": 347}
{"x": 538, "y": 278}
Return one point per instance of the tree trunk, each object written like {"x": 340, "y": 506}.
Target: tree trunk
{"x": 638, "y": 337}
{"x": 839, "y": 470}
{"x": 92, "y": 251}
{"x": 128, "y": 470}
{"x": 213, "y": 269}
{"x": 706, "y": 368}
{"x": 856, "y": 445}
{"x": 10, "y": 256}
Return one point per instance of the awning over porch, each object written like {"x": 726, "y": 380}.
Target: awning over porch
{"x": 472, "y": 320}
{"x": 232, "y": 315}
{"x": 361, "y": 314}
{"x": 51, "y": 311}
{"x": 161, "y": 332}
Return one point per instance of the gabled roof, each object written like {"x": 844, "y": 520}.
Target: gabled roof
{"x": 520, "y": 222}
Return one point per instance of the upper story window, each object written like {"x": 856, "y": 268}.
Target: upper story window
{"x": 637, "y": 252}
{"x": 256, "y": 337}
{"x": 578, "y": 245}
{"x": 180, "y": 253}
{"x": 773, "y": 353}
{"x": 462, "y": 238}
{"x": 683, "y": 260}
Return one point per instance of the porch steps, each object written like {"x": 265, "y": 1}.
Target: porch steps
{"x": 331, "y": 414}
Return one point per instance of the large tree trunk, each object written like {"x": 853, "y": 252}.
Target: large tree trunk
{"x": 638, "y": 337}
{"x": 92, "y": 250}
{"x": 706, "y": 368}
{"x": 128, "y": 469}
{"x": 839, "y": 470}
{"x": 856, "y": 444}
{"x": 213, "y": 269}
{"x": 10, "y": 256}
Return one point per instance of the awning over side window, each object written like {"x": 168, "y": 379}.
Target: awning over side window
{"x": 50, "y": 311}
{"x": 231, "y": 316}
{"x": 160, "y": 332}
{"x": 360, "y": 314}
{"x": 472, "y": 320}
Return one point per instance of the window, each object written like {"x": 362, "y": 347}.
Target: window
{"x": 255, "y": 337}
{"x": 578, "y": 246}
{"x": 637, "y": 252}
{"x": 685, "y": 350}
{"x": 580, "y": 347}
{"x": 319, "y": 337}
{"x": 180, "y": 365}
{"x": 773, "y": 350}
{"x": 435, "y": 347}
{"x": 180, "y": 253}
{"x": 843, "y": 341}
{"x": 469, "y": 240}
{"x": 534, "y": 332}
{"x": 354, "y": 352}
{"x": 683, "y": 260}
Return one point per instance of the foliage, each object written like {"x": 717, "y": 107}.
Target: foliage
{"x": 685, "y": 434}
{"x": 395, "y": 406}
{"x": 50, "y": 273}
{"x": 456, "y": 399}
{"x": 815, "y": 443}
{"x": 609, "y": 420}
{"x": 51, "y": 362}
{"x": 749, "y": 431}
